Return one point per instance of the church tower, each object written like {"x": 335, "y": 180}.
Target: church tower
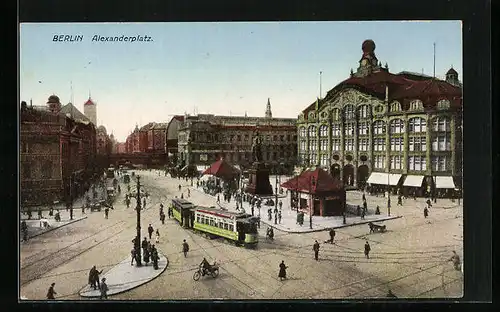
{"x": 452, "y": 77}
{"x": 90, "y": 111}
{"x": 369, "y": 62}
{"x": 269, "y": 114}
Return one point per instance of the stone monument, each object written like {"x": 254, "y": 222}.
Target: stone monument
{"x": 259, "y": 174}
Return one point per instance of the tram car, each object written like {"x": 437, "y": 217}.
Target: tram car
{"x": 239, "y": 228}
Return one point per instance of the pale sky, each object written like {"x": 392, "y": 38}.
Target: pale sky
{"x": 218, "y": 68}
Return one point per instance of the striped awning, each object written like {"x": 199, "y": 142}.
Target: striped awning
{"x": 413, "y": 180}
{"x": 444, "y": 182}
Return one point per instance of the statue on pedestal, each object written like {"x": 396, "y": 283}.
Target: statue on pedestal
{"x": 256, "y": 148}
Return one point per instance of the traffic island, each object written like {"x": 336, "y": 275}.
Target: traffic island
{"x": 124, "y": 277}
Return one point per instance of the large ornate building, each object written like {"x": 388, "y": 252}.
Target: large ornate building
{"x": 403, "y": 130}
{"x": 203, "y": 139}
{"x": 57, "y": 152}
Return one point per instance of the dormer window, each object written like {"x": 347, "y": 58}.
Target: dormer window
{"x": 443, "y": 104}
{"x": 311, "y": 115}
{"x": 395, "y": 106}
{"x": 416, "y": 105}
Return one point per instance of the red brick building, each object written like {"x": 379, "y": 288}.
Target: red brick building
{"x": 57, "y": 153}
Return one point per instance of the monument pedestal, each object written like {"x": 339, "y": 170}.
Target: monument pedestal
{"x": 259, "y": 180}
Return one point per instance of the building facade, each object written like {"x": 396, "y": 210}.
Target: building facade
{"x": 402, "y": 125}
{"x": 57, "y": 154}
{"x": 203, "y": 139}
{"x": 172, "y": 139}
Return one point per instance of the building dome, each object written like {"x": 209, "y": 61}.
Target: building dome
{"x": 89, "y": 102}
{"x": 451, "y": 71}
{"x": 368, "y": 46}
{"x": 53, "y": 99}
{"x": 101, "y": 129}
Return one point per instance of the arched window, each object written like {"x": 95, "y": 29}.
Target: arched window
{"x": 441, "y": 124}
{"x": 395, "y": 106}
{"x": 312, "y": 131}
{"x": 363, "y": 128}
{"x": 349, "y": 112}
{"x": 379, "y": 127}
{"x": 417, "y": 124}
{"x": 302, "y": 132}
{"x": 397, "y": 126}
{"x": 416, "y": 105}
{"x": 335, "y": 130}
{"x": 363, "y": 111}
{"x": 443, "y": 104}
{"x": 336, "y": 114}
{"x": 323, "y": 131}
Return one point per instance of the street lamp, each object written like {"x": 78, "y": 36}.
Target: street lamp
{"x": 138, "y": 235}
{"x": 311, "y": 202}
{"x": 276, "y": 198}
{"x": 388, "y": 196}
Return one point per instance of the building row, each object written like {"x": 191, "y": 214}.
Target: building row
{"x": 61, "y": 150}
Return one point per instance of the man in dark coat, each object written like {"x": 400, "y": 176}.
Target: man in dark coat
{"x": 367, "y": 250}
{"x": 282, "y": 273}
{"x": 162, "y": 217}
{"x": 51, "y": 292}
{"x": 185, "y": 248}
{"x": 24, "y": 230}
{"x": 426, "y": 212}
{"x": 94, "y": 277}
{"x": 150, "y": 231}
{"x": 316, "y": 250}
{"x": 146, "y": 256}
{"x": 144, "y": 244}
{"x": 332, "y": 236}
{"x": 104, "y": 289}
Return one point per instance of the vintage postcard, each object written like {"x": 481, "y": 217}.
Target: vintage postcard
{"x": 249, "y": 160}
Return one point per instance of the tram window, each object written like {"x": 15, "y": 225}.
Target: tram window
{"x": 221, "y": 224}
{"x": 198, "y": 218}
{"x": 226, "y": 226}
{"x": 231, "y": 228}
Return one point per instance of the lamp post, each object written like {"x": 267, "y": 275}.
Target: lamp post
{"x": 138, "y": 235}
{"x": 71, "y": 196}
{"x": 311, "y": 202}
{"x": 388, "y": 196}
{"x": 276, "y": 199}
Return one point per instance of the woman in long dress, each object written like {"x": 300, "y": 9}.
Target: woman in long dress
{"x": 282, "y": 274}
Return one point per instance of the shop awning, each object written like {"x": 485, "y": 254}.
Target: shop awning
{"x": 201, "y": 168}
{"x": 377, "y": 178}
{"x": 413, "y": 180}
{"x": 394, "y": 178}
{"x": 444, "y": 182}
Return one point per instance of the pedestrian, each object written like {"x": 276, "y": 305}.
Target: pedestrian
{"x": 426, "y": 212}
{"x": 362, "y": 214}
{"x": 179, "y": 187}
{"x": 316, "y": 250}
{"x": 40, "y": 216}
{"x": 364, "y": 197}
{"x": 282, "y": 273}
{"x": 104, "y": 289}
{"x": 94, "y": 277}
{"x": 189, "y": 193}
{"x": 280, "y": 204}
{"x": 150, "y": 230}
{"x": 133, "y": 255}
{"x": 147, "y": 254}
{"x": 456, "y": 261}
{"x": 400, "y": 201}
{"x": 182, "y": 195}
{"x": 144, "y": 202}
{"x": 51, "y": 292}
{"x": 358, "y": 210}
{"x": 332, "y": 235}
{"x": 162, "y": 218}
{"x": 144, "y": 245}
{"x": 367, "y": 250}
{"x": 377, "y": 210}
{"x": 161, "y": 208}
{"x": 127, "y": 201}
{"x": 169, "y": 212}
{"x": 218, "y": 198}
{"x": 83, "y": 209}
{"x": 275, "y": 218}
{"x": 106, "y": 213}
{"x": 185, "y": 248}
{"x": 157, "y": 240}
{"x": 279, "y": 217}
{"x": 252, "y": 208}
{"x": 24, "y": 230}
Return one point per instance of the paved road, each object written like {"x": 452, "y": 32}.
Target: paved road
{"x": 410, "y": 258}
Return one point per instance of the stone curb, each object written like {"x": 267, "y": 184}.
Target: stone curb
{"x": 330, "y": 227}
{"x": 131, "y": 288}
{"x": 52, "y": 228}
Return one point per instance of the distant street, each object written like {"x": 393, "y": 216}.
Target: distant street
{"x": 411, "y": 258}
